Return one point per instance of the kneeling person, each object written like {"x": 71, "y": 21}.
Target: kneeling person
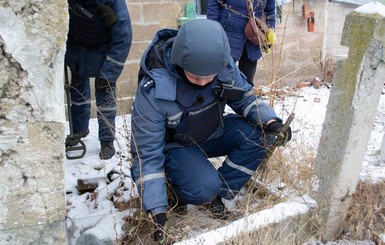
{"x": 187, "y": 77}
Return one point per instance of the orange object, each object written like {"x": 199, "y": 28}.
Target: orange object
{"x": 310, "y": 22}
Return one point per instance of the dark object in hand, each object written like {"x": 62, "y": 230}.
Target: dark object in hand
{"x": 283, "y": 136}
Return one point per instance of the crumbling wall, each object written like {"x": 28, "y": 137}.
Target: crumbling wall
{"x": 32, "y": 46}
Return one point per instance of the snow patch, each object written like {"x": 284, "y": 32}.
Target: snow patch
{"x": 372, "y": 8}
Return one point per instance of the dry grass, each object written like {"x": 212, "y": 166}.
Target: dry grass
{"x": 288, "y": 173}
{"x": 284, "y": 176}
{"x": 366, "y": 215}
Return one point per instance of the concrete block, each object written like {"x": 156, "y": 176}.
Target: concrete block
{"x": 138, "y": 47}
{"x": 358, "y": 27}
{"x": 144, "y": 32}
{"x": 283, "y": 219}
{"x": 135, "y": 13}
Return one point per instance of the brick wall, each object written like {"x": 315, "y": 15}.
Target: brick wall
{"x": 147, "y": 16}
{"x": 298, "y": 55}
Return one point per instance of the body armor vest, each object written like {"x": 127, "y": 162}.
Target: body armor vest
{"x": 202, "y": 114}
{"x": 86, "y": 26}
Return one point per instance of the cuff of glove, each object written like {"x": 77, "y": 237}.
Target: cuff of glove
{"x": 272, "y": 121}
{"x": 274, "y": 127}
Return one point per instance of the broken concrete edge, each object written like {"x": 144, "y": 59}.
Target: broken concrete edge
{"x": 278, "y": 213}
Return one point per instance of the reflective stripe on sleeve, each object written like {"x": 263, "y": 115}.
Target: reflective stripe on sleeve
{"x": 149, "y": 177}
{"x": 114, "y": 61}
{"x": 248, "y": 108}
{"x": 172, "y": 118}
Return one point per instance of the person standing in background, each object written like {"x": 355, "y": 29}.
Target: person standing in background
{"x": 99, "y": 40}
{"x": 233, "y": 16}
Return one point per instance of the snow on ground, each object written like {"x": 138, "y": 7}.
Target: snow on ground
{"x": 94, "y": 215}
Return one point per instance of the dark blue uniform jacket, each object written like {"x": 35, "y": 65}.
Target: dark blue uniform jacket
{"x": 234, "y": 19}
{"x": 156, "y": 109}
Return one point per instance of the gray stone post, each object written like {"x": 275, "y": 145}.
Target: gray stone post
{"x": 349, "y": 118}
{"x": 32, "y": 123}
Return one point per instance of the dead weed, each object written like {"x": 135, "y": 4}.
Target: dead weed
{"x": 366, "y": 215}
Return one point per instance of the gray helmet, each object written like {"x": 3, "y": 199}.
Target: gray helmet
{"x": 201, "y": 47}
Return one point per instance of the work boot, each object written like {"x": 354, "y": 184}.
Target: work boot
{"x": 107, "y": 150}
{"x": 73, "y": 140}
{"x": 82, "y": 134}
{"x": 217, "y": 209}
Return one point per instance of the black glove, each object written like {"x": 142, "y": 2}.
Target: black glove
{"x": 282, "y": 137}
{"x": 160, "y": 227}
{"x": 102, "y": 84}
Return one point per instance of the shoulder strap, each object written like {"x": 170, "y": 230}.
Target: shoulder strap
{"x": 250, "y": 8}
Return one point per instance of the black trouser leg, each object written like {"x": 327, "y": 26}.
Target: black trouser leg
{"x": 247, "y": 67}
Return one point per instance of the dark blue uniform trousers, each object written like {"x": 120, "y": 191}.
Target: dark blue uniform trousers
{"x": 81, "y": 107}
{"x": 194, "y": 178}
